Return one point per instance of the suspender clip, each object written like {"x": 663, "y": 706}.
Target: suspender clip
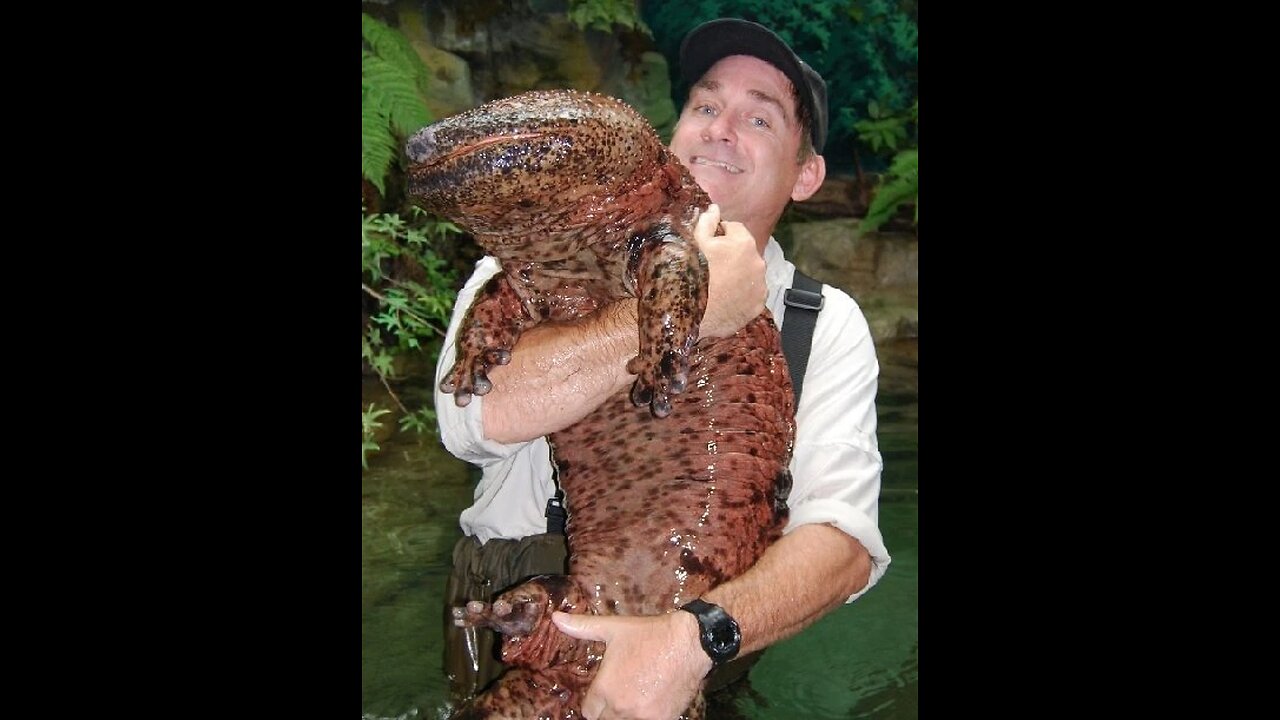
{"x": 556, "y": 514}
{"x": 804, "y": 299}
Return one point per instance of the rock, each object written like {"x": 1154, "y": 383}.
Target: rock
{"x": 515, "y": 48}
{"x": 449, "y": 83}
{"x": 881, "y": 271}
{"x": 838, "y": 197}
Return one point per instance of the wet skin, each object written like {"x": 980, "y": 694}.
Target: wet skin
{"x": 673, "y": 486}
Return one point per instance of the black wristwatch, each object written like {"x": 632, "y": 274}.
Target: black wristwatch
{"x": 721, "y": 638}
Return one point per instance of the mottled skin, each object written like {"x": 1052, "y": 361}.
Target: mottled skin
{"x": 580, "y": 202}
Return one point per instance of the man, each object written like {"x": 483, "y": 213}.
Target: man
{"x": 751, "y": 133}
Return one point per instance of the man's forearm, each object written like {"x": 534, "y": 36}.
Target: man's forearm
{"x": 807, "y": 573}
{"x": 557, "y": 375}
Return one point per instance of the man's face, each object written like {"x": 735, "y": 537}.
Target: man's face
{"x": 739, "y": 136}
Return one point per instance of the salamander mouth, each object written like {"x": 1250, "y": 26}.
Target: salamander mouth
{"x": 422, "y": 149}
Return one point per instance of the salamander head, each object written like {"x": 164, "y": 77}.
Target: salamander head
{"x": 529, "y": 162}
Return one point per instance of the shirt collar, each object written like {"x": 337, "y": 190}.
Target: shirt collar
{"x": 777, "y": 273}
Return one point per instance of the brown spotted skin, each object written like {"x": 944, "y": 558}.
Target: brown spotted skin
{"x": 579, "y": 201}
{"x": 660, "y": 511}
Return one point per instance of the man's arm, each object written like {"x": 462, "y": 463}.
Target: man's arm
{"x": 654, "y": 665}
{"x": 558, "y": 374}
{"x": 809, "y": 572}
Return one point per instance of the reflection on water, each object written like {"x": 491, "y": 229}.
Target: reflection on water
{"x": 860, "y": 661}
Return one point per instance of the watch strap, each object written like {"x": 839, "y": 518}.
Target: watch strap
{"x": 718, "y": 631}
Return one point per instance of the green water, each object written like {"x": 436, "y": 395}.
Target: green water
{"x": 860, "y": 661}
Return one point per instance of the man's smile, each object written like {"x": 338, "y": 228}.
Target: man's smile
{"x": 708, "y": 162}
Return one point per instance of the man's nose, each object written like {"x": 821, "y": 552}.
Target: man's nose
{"x": 720, "y": 129}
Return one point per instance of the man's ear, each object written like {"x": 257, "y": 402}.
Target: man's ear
{"x": 812, "y": 173}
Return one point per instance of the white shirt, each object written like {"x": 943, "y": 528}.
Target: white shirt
{"x": 835, "y": 465}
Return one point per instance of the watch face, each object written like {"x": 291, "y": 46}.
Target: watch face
{"x": 722, "y": 637}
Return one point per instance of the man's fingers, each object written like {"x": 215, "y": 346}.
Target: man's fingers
{"x": 583, "y": 627}
{"x": 707, "y": 222}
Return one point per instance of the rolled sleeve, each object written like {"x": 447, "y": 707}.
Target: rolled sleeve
{"x": 840, "y": 499}
{"x": 836, "y": 464}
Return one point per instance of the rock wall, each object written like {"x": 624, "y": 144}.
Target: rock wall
{"x": 480, "y": 51}
{"x": 881, "y": 271}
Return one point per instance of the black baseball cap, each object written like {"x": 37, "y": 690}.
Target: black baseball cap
{"x": 706, "y": 44}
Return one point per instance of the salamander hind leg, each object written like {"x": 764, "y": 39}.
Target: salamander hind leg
{"x": 523, "y": 615}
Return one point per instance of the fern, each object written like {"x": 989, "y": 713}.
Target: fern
{"x": 377, "y": 144}
{"x": 392, "y": 97}
{"x": 901, "y": 186}
{"x": 602, "y": 15}
{"x": 391, "y": 45}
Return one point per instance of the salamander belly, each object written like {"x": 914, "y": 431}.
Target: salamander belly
{"x": 661, "y": 510}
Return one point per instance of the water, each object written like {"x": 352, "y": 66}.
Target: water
{"x": 860, "y": 661}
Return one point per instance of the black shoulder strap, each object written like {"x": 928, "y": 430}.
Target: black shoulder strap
{"x": 556, "y": 513}
{"x": 803, "y": 300}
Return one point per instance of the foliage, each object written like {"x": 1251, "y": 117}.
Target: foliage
{"x": 409, "y": 290}
{"x": 882, "y": 130}
{"x": 899, "y": 185}
{"x": 865, "y": 49}
{"x": 407, "y": 286}
{"x": 602, "y": 15}
{"x": 393, "y": 82}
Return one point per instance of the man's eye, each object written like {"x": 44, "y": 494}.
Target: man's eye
{"x": 705, "y": 110}
{"x": 760, "y": 122}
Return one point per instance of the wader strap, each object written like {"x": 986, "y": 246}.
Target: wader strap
{"x": 803, "y": 300}
{"x": 556, "y": 514}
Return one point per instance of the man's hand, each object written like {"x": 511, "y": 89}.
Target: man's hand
{"x": 653, "y": 666}
{"x": 737, "y": 291}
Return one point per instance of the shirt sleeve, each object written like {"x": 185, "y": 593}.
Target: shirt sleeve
{"x": 836, "y": 463}
{"x": 462, "y": 428}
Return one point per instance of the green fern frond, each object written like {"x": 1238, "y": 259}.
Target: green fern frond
{"x": 393, "y": 93}
{"x": 392, "y": 97}
{"x": 902, "y": 186}
{"x": 377, "y": 144}
{"x": 393, "y": 47}
{"x": 906, "y": 164}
